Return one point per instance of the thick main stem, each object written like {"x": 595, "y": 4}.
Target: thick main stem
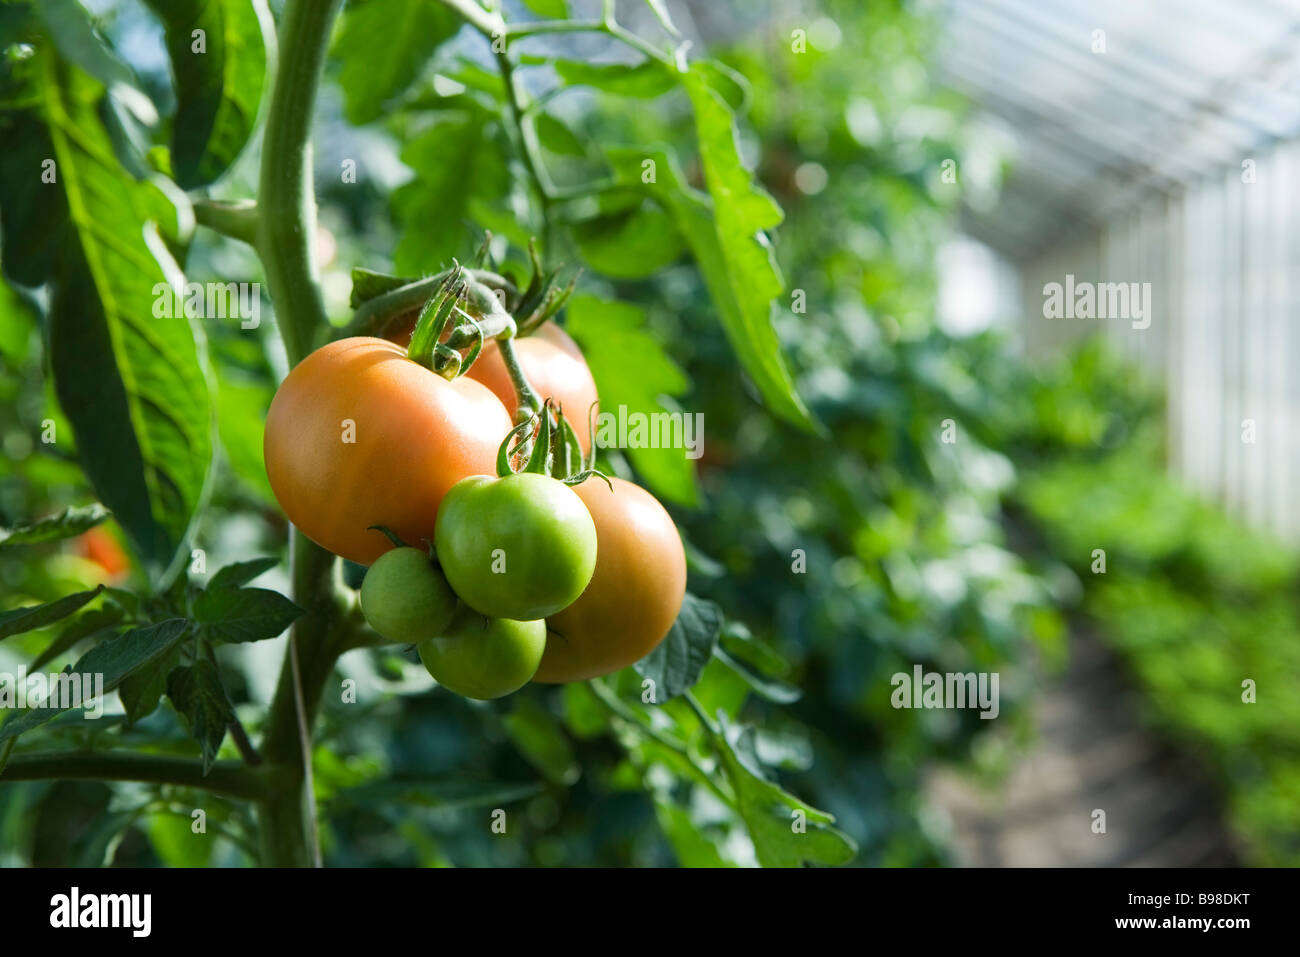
{"x": 285, "y": 237}
{"x": 286, "y": 199}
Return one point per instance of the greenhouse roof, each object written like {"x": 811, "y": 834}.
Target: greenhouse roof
{"x": 1179, "y": 90}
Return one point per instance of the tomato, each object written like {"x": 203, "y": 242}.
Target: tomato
{"x": 635, "y": 592}
{"x": 484, "y": 657}
{"x": 552, "y": 363}
{"x": 554, "y": 367}
{"x": 520, "y": 547}
{"x": 405, "y": 598}
{"x": 100, "y": 547}
{"x": 359, "y": 435}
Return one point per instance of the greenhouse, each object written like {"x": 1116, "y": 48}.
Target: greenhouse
{"x": 651, "y": 434}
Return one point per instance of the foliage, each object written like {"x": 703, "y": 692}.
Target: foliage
{"x": 1195, "y": 603}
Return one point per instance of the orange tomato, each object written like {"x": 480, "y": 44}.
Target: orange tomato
{"x": 635, "y": 592}
{"x": 100, "y": 547}
{"x": 552, "y": 362}
{"x": 359, "y": 435}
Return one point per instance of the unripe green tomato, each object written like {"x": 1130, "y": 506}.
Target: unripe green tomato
{"x": 520, "y": 547}
{"x": 405, "y": 598}
{"x": 485, "y": 658}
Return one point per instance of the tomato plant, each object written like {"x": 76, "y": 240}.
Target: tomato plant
{"x": 242, "y": 458}
{"x": 482, "y": 657}
{"x": 405, "y": 598}
{"x": 520, "y": 547}
{"x": 358, "y": 435}
{"x": 635, "y": 592}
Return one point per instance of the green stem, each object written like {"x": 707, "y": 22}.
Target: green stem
{"x": 522, "y": 30}
{"x": 489, "y": 24}
{"x": 286, "y": 233}
{"x": 529, "y": 148}
{"x": 316, "y": 640}
{"x": 615, "y": 705}
{"x": 287, "y": 204}
{"x": 238, "y": 220}
{"x": 527, "y": 396}
{"x": 373, "y": 316}
{"x": 229, "y": 778}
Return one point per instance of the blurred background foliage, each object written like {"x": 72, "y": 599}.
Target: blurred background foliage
{"x": 841, "y": 557}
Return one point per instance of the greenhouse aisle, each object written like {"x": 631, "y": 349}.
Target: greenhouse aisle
{"x": 1090, "y": 752}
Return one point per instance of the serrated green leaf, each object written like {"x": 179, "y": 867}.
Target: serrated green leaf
{"x": 786, "y": 832}
{"x": 558, "y": 138}
{"x": 645, "y": 80}
{"x": 70, "y": 27}
{"x": 218, "y": 88}
{"x": 141, "y": 691}
{"x": 724, "y": 231}
{"x": 454, "y": 162}
{"x": 677, "y": 661}
{"x": 31, "y": 617}
{"x": 98, "y": 622}
{"x": 66, "y": 524}
{"x": 32, "y": 211}
{"x": 384, "y": 45}
{"x": 198, "y": 695}
{"x": 632, "y": 373}
{"x": 773, "y": 689}
{"x": 367, "y": 284}
{"x": 234, "y": 615}
{"x": 132, "y": 385}
{"x": 241, "y": 573}
{"x": 630, "y": 244}
{"x": 115, "y": 659}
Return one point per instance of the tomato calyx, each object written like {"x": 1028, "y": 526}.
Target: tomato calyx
{"x": 547, "y": 445}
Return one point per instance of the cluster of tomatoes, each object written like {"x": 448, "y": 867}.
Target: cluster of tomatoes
{"x": 525, "y": 577}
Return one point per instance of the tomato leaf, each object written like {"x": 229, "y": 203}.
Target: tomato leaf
{"x": 237, "y": 615}
{"x": 773, "y": 689}
{"x": 32, "y": 213}
{"x": 384, "y": 45}
{"x": 675, "y": 664}
{"x": 785, "y": 831}
{"x": 133, "y": 386}
{"x": 66, "y": 524}
{"x": 198, "y": 695}
{"x": 141, "y": 691}
{"x": 368, "y": 284}
{"x": 31, "y": 617}
{"x": 630, "y": 243}
{"x": 218, "y": 84}
{"x": 632, "y": 374}
{"x": 444, "y": 196}
{"x": 725, "y": 232}
{"x": 116, "y": 660}
{"x": 550, "y": 9}
{"x": 97, "y": 622}
{"x": 241, "y": 573}
{"x": 645, "y": 80}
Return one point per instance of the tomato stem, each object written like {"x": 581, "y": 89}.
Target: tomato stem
{"x": 529, "y": 402}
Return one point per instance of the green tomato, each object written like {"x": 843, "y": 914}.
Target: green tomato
{"x": 485, "y": 658}
{"x": 405, "y": 598}
{"x": 520, "y": 547}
